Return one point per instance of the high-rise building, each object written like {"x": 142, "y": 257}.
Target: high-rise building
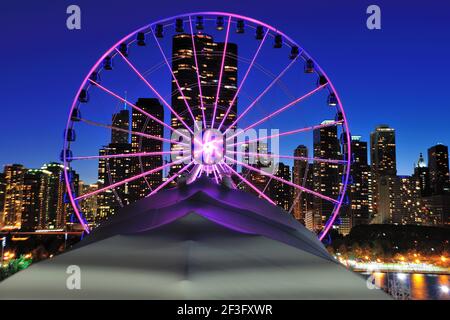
{"x": 121, "y": 120}
{"x": 299, "y": 177}
{"x": 326, "y": 179}
{"x": 281, "y": 193}
{"x": 422, "y": 175}
{"x": 13, "y": 203}
{"x": 141, "y": 123}
{"x": 89, "y": 206}
{"x": 2, "y": 194}
{"x": 261, "y": 162}
{"x": 410, "y": 202}
{"x": 384, "y": 174}
{"x": 57, "y": 209}
{"x": 35, "y": 199}
{"x": 111, "y": 170}
{"x": 209, "y": 60}
{"x": 358, "y": 191}
{"x": 439, "y": 169}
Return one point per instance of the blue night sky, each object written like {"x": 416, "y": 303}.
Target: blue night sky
{"x": 397, "y": 75}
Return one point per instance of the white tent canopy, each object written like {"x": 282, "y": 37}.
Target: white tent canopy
{"x": 202, "y": 242}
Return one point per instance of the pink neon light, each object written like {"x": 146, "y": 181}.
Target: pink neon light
{"x": 155, "y": 91}
{"x": 330, "y": 124}
{"x": 243, "y": 79}
{"x": 138, "y": 109}
{"x": 221, "y": 72}
{"x": 137, "y": 133}
{"x": 215, "y": 174}
{"x": 117, "y": 184}
{"x": 261, "y": 95}
{"x": 271, "y": 155}
{"x": 273, "y": 114}
{"x": 198, "y": 75}
{"x": 176, "y": 80}
{"x": 170, "y": 179}
{"x": 124, "y": 155}
{"x": 283, "y": 181}
{"x": 319, "y": 71}
{"x": 250, "y": 184}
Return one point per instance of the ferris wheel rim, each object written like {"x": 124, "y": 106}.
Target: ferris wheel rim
{"x": 318, "y": 70}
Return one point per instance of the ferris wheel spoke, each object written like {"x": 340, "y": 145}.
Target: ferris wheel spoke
{"x": 202, "y": 106}
{"x": 139, "y": 109}
{"x": 219, "y": 84}
{"x": 287, "y": 133}
{"x": 137, "y": 133}
{"x": 154, "y": 91}
{"x": 243, "y": 79}
{"x": 123, "y": 155}
{"x": 271, "y": 155}
{"x": 174, "y": 78}
{"x": 130, "y": 179}
{"x": 253, "y": 103}
{"x": 214, "y": 169}
{"x": 262, "y": 194}
{"x": 317, "y": 194}
{"x": 173, "y": 177}
{"x": 282, "y": 109}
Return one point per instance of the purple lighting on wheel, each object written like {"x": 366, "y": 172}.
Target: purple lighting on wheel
{"x": 165, "y": 183}
{"x": 272, "y": 155}
{"x": 117, "y": 184}
{"x": 249, "y": 184}
{"x": 154, "y": 91}
{"x": 211, "y": 151}
{"x": 243, "y": 80}
{"x": 278, "y": 111}
{"x": 202, "y": 106}
{"x": 274, "y": 81}
{"x": 176, "y": 81}
{"x": 219, "y": 84}
{"x": 137, "y": 108}
{"x": 328, "y": 124}
{"x": 283, "y": 181}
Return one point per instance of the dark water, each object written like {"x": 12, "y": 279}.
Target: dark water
{"x": 415, "y": 286}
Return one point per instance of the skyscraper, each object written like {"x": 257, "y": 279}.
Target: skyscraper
{"x": 114, "y": 169}
{"x": 121, "y": 120}
{"x": 209, "y": 60}
{"x": 422, "y": 175}
{"x": 2, "y": 194}
{"x": 89, "y": 206}
{"x": 299, "y": 177}
{"x": 56, "y": 209}
{"x": 141, "y": 123}
{"x": 439, "y": 169}
{"x": 281, "y": 193}
{"x": 409, "y": 199}
{"x": 384, "y": 174}
{"x": 13, "y": 204}
{"x": 325, "y": 175}
{"x": 35, "y": 199}
{"x": 359, "y": 190}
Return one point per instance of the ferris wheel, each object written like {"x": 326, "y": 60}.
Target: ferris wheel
{"x": 206, "y": 80}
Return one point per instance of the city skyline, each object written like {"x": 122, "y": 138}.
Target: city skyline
{"x": 367, "y": 106}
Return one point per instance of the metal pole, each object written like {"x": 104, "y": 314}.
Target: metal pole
{"x": 3, "y": 248}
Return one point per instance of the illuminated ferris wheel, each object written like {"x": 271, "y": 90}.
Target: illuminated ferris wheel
{"x": 210, "y": 94}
